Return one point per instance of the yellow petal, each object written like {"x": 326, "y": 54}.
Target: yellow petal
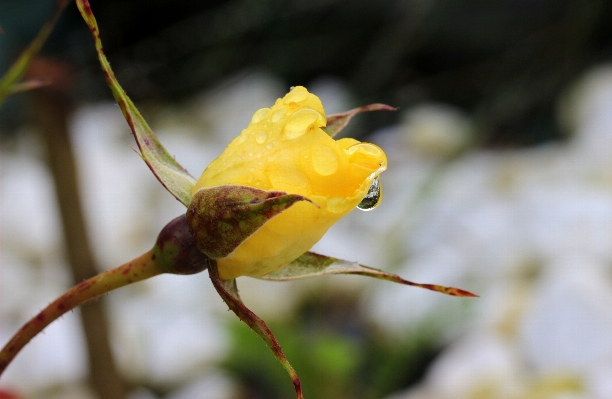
{"x": 284, "y": 148}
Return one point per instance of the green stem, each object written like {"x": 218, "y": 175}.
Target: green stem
{"x": 138, "y": 269}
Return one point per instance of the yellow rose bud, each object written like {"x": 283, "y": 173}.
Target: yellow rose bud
{"x": 285, "y": 149}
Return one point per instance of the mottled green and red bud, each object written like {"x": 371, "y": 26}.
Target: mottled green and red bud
{"x": 176, "y": 252}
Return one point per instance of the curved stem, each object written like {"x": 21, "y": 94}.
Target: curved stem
{"x": 228, "y": 291}
{"x": 138, "y": 269}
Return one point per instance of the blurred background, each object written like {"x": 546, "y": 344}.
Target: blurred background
{"x": 499, "y": 182}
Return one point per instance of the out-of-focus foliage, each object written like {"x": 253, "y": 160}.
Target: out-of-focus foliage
{"x": 528, "y": 230}
{"x": 11, "y": 81}
{"x": 505, "y": 61}
{"x": 337, "y": 353}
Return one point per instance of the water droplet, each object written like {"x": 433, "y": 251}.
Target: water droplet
{"x": 258, "y": 155}
{"x": 250, "y": 153}
{"x": 337, "y": 204}
{"x": 240, "y": 139}
{"x": 324, "y": 160}
{"x": 260, "y": 115}
{"x": 373, "y": 197}
{"x": 296, "y": 95}
{"x": 278, "y": 114}
{"x": 299, "y": 123}
{"x": 269, "y": 146}
{"x": 261, "y": 137}
{"x": 367, "y": 155}
{"x": 250, "y": 179}
{"x": 366, "y": 148}
{"x": 288, "y": 179}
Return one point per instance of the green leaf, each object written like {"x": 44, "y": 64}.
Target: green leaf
{"x": 163, "y": 165}
{"x": 337, "y": 122}
{"x": 313, "y": 265}
{"x": 10, "y": 81}
{"x": 28, "y": 85}
{"x": 228, "y": 290}
{"x": 223, "y": 217}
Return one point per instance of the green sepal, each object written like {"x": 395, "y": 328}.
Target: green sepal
{"x": 166, "y": 169}
{"x": 9, "y": 84}
{"x": 223, "y": 217}
{"x": 311, "y": 264}
{"x": 228, "y": 290}
{"x": 337, "y": 122}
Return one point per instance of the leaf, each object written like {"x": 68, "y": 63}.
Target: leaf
{"x": 337, "y": 122}
{"x": 223, "y": 217}
{"x": 313, "y": 265}
{"x": 228, "y": 290}
{"x": 167, "y": 170}
{"x": 28, "y": 85}
{"x": 10, "y": 81}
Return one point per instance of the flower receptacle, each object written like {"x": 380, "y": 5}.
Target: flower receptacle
{"x": 175, "y": 250}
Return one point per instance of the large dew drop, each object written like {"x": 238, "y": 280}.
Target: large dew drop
{"x": 296, "y": 95}
{"x": 299, "y": 123}
{"x": 260, "y": 115}
{"x": 324, "y": 160}
{"x": 289, "y": 179}
{"x": 261, "y": 137}
{"x": 373, "y": 197}
{"x": 364, "y": 148}
{"x": 240, "y": 139}
{"x": 278, "y": 114}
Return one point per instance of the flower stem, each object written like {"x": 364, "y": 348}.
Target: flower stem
{"x": 136, "y": 270}
{"x": 228, "y": 290}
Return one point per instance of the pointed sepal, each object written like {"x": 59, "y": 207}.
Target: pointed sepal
{"x": 163, "y": 165}
{"x": 337, "y": 122}
{"x": 10, "y": 82}
{"x": 223, "y": 217}
{"x": 228, "y": 291}
{"x": 312, "y": 265}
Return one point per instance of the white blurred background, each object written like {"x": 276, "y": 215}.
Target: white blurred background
{"x": 528, "y": 230}
{"x": 499, "y": 182}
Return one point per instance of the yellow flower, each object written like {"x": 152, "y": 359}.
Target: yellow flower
{"x": 285, "y": 149}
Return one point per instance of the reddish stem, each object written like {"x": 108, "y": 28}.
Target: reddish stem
{"x": 138, "y": 269}
{"x": 229, "y": 293}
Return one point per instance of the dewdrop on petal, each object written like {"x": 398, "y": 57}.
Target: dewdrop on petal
{"x": 285, "y": 149}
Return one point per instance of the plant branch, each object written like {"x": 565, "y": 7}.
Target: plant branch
{"x": 228, "y": 291}
{"x": 138, "y": 269}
